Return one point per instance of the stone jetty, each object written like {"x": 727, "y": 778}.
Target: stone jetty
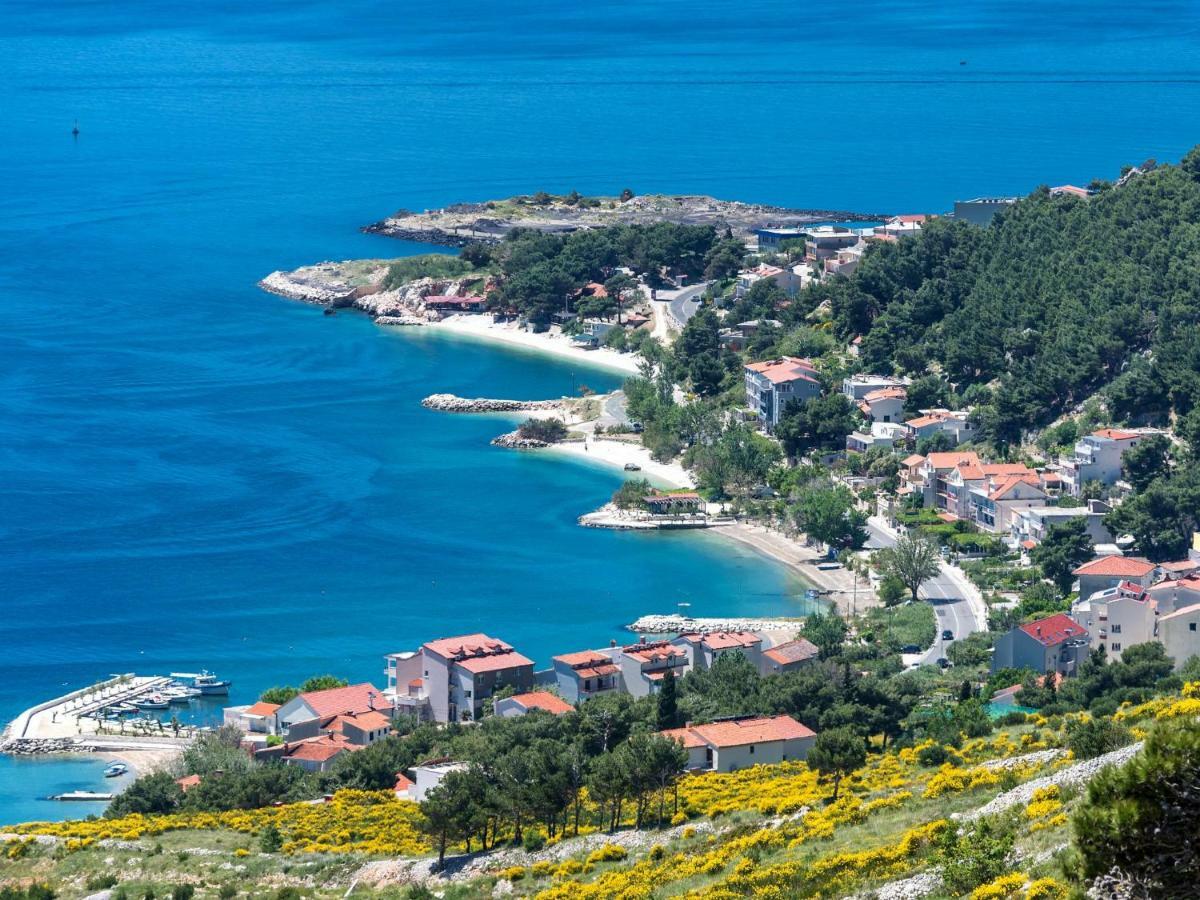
{"x": 513, "y": 441}
{"x": 38, "y": 746}
{"x": 453, "y": 403}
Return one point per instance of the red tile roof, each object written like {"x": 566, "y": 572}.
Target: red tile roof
{"x": 923, "y": 421}
{"x": 653, "y": 651}
{"x": 403, "y": 783}
{"x": 465, "y": 645}
{"x": 1180, "y": 565}
{"x": 261, "y": 708}
{"x": 887, "y": 393}
{"x": 915, "y": 460}
{"x": 953, "y": 459}
{"x": 477, "y": 665}
{"x": 1008, "y": 482}
{"x": 1054, "y": 630}
{"x": 799, "y": 650}
{"x": 918, "y": 217}
{"x": 543, "y": 700}
{"x": 187, "y": 782}
{"x": 723, "y": 640}
{"x": 740, "y": 732}
{"x": 785, "y": 369}
{"x": 319, "y": 749}
{"x": 356, "y": 698}
{"x": 1117, "y": 567}
{"x": 588, "y": 663}
{"x": 1115, "y": 434}
{"x": 368, "y": 721}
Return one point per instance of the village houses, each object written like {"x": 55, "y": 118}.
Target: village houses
{"x": 728, "y": 745}
{"x": 1097, "y": 456}
{"x": 1053, "y": 644}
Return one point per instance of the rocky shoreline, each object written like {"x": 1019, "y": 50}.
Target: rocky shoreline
{"x": 40, "y": 746}
{"x": 491, "y": 221}
{"x": 513, "y": 441}
{"x": 360, "y": 286}
{"x": 676, "y": 624}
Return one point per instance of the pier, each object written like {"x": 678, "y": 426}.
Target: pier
{"x": 77, "y": 722}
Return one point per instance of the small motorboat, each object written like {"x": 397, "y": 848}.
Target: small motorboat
{"x": 206, "y": 683}
{"x": 152, "y": 701}
{"x": 632, "y": 467}
{"x": 116, "y": 770}
{"x": 83, "y": 795}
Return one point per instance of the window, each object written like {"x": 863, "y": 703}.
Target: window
{"x": 1116, "y": 629}
{"x": 1191, "y": 626}
{"x": 1116, "y": 647}
{"x": 751, "y": 749}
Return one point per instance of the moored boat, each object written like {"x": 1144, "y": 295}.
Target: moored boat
{"x": 116, "y": 770}
{"x": 206, "y": 683}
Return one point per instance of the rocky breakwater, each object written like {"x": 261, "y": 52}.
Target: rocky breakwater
{"x": 454, "y": 403}
{"x": 513, "y": 441}
{"x": 308, "y": 288}
{"x": 39, "y": 746}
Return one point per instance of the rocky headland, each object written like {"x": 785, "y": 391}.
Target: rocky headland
{"x": 454, "y": 403}
{"x": 490, "y": 221}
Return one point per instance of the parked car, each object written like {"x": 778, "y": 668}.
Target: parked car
{"x": 943, "y": 663}
{"x": 910, "y": 648}
{"x": 947, "y": 635}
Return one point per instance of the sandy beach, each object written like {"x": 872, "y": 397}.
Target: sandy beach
{"x": 618, "y": 453}
{"x": 483, "y": 328}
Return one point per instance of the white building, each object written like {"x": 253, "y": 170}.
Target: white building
{"x": 428, "y": 776}
{"x": 733, "y": 744}
{"x": 1117, "y": 618}
{"x": 1032, "y": 524}
{"x": 787, "y": 280}
{"x": 856, "y": 387}
{"x": 881, "y": 434}
{"x": 1097, "y": 456}
{"x": 581, "y": 676}
{"x": 645, "y": 664}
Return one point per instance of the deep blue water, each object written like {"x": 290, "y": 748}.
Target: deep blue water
{"x": 196, "y": 473}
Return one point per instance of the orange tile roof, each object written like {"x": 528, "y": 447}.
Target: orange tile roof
{"x": 922, "y": 421}
{"x": 582, "y": 658}
{"x": 685, "y": 736}
{"x": 543, "y": 700}
{"x": 187, "y": 782}
{"x": 915, "y": 460}
{"x": 799, "y": 650}
{"x": 465, "y": 645}
{"x": 355, "y": 698}
{"x": 1115, "y": 434}
{"x": 724, "y": 640}
{"x": 403, "y": 783}
{"x": 1180, "y": 565}
{"x": 652, "y": 651}
{"x": 1054, "y": 630}
{"x": 1117, "y": 567}
{"x": 953, "y": 459}
{"x": 368, "y": 721}
{"x": 261, "y": 708}
{"x": 477, "y": 665}
{"x": 740, "y": 732}
{"x": 785, "y": 369}
{"x": 320, "y": 749}
{"x": 887, "y": 393}
{"x": 1011, "y": 481}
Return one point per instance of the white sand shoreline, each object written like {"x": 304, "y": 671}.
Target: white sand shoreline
{"x": 483, "y": 328}
{"x": 618, "y": 453}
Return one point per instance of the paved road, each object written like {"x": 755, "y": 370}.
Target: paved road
{"x": 950, "y": 607}
{"x": 683, "y": 305}
{"x": 613, "y": 411}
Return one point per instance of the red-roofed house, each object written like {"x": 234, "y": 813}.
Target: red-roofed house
{"x": 258, "y": 718}
{"x": 448, "y": 679}
{"x": 520, "y": 704}
{"x": 884, "y": 404}
{"x": 404, "y": 786}
{"x": 704, "y": 649}
{"x": 772, "y": 384}
{"x": 1097, "y": 456}
{"x": 1108, "y": 571}
{"x": 1054, "y": 644}
{"x": 788, "y": 657}
{"x": 302, "y": 716}
{"x": 589, "y": 673}
{"x": 732, "y": 744}
{"x": 461, "y": 672}
{"x": 644, "y": 664}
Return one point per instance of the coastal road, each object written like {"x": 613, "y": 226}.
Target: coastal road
{"x": 613, "y": 411}
{"x": 684, "y": 304}
{"x": 948, "y": 593}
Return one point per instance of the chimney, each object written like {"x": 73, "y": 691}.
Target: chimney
{"x": 1039, "y": 630}
{"x": 370, "y": 699}
{"x": 612, "y": 642}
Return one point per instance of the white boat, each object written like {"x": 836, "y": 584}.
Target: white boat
{"x": 152, "y": 701}
{"x": 206, "y": 683}
{"x": 115, "y": 770}
{"x": 83, "y": 795}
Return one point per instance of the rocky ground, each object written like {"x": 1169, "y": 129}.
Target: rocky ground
{"x": 490, "y": 221}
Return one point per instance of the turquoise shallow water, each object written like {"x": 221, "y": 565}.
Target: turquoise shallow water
{"x": 196, "y": 473}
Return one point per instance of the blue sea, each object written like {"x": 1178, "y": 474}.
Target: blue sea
{"x": 194, "y": 473}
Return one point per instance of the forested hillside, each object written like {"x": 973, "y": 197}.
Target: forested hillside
{"x": 1059, "y": 298}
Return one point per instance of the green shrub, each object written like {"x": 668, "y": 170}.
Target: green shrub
{"x": 549, "y": 430}
{"x": 533, "y": 841}
{"x": 101, "y": 882}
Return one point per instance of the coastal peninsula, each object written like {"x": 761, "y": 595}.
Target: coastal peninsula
{"x": 491, "y": 221}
